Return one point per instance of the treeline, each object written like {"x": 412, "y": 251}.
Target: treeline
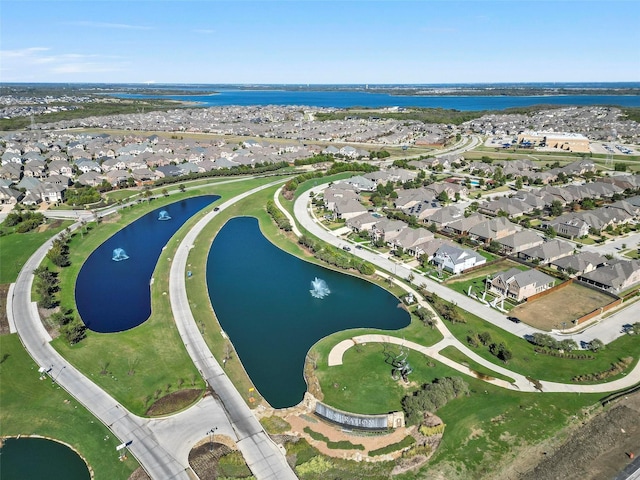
{"x": 24, "y": 220}
{"x": 498, "y": 350}
{"x": 280, "y": 218}
{"x": 338, "y": 167}
{"x": 224, "y": 172}
{"x": 336, "y": 257}
{"x": 320, "y": 158}
{"x": 425, "y": 115}
{"x": 446, "y": 310}
{"x": 46, "y": 284}
{"x": 431, "y": 397}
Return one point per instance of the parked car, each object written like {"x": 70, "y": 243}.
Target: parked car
{"x": 514, "y": 319}
{"x": 346, "y": 248}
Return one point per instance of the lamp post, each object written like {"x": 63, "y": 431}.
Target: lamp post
{"x": 210, "y": 433}
{"x": 53, "y": 382}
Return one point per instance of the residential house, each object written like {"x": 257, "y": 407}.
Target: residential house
{"x": 9, "y": 195}
{"x": 547, "y": 252}
{"x": 456, "y": 260}
{"x": 444, "y": 216}
{"x": 616, "y": 277}
{"x": 361, "y": 183}
{"x": 518, "y": 241}
{"x": 463, "y": 225}
{"x": 93, "y": 179}
{"x": 348, "y": 208}
{"x": 520, "y": 285}
{"x": 580, "y": 263}
{"x": 386, "y": 230}
{"x": 411, "y": 240}
{"x": 362, "y": 222}
{"x": 492, "y": 229}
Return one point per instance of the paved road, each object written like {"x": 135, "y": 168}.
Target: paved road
{"x": 159, "y": 462}
{"x": 263, "y": 457}
{"x": 605, "y": 331}
{"x": 161, "y": 446}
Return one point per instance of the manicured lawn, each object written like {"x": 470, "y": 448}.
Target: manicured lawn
{"x": 482, "y": 429}
{"x": 153, "y": 350}
{"x": 16, "y": 248}
{"x": 457, "y": 356}
{"x": 543, "y": 367}
{"x": 35, "y": 407}
{"x": 475, "y": 279}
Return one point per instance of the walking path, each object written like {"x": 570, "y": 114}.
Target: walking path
{"x": 161, "y": 446}
{"x": 606, "y": 331}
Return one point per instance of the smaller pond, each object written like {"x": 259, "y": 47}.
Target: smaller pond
{"x": 113, "y": 286}
{"x": 274, "y": 307}
{"x": 36, "y": 458}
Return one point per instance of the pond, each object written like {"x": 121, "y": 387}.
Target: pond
{"x": 32, "y": 458}
{"x": 274, "y": 307}
{"x": 113, "y": 286}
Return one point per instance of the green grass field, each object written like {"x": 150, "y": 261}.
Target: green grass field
{"x": 457, "y": 356}
{"x": 482, "y": 430}
{"x": 153, "y": 350}
{"x": 36, "y": 407}
{"x": 16, "y": 248}
{"x": 544, "y": 367}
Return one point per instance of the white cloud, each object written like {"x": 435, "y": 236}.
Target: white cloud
{"x": 119, "y": 26}
{"x": 42, "y": 62}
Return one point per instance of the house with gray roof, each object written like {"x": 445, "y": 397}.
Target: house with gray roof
{"x": 444, "y": 216}
{"x": 386, "y": 230}
{"x": 361, "y": 183}
{"x": 410, "y": 240}
{"x": 362, "y": 222}
{"x": 463, "y": 225}
{"x": 93, "y": 179}
{"x": 518, "y": 241}
{"x": 547, "y": 252}
{"x": 348, "y": 208}
{"x": 580, "y": 263}
{"x": 456, "y": 260}
{"x": 9, "y": 195}
{"x": 520, "y": 285}
{"x": 616, "y": 277}
{"x": 492, "y": 229}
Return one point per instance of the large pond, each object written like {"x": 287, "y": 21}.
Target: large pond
{"x": 262, "y": 298}
{"x": 33, "y": 458}
{"x": 113, "y": 286}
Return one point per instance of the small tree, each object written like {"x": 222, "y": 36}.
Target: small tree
{"x": 595, "y": 345}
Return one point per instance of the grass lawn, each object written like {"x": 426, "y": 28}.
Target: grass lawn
{"x": 16, "y": 248}
{"x": 475, "y": 279}
{"x": 153, "y": 350}
{"x": 544, "y": 367}
{"x": 456, "y": 355}
{"x": 633, "y": 254}
{"x": 482, "y": 430}
{"x": 35, "y": 407}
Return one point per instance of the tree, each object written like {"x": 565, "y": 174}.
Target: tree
{"x": 443, "y": 197}
{"x": 519, "y": 183}
{"x": 182, "y": 188}
{"x": 551, "y": 232}
{"x": 556, "y": 208}
{"x": 595, "y": 345}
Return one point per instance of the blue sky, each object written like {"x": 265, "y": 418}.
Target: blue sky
{"x": 319, "y": 42}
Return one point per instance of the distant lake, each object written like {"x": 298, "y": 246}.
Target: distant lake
{"x": 261, "y": 297}
{"x": 346, "y": 99}
{"x": 38, "y": 458}
{"x": 112, "y": 296}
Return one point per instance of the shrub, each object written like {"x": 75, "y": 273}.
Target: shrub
{"x": 316, "y": 465}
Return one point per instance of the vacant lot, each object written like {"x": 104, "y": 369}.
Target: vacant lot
{"x": 564, "y": 305}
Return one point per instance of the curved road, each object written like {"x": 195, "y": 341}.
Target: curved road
{"x": 161, "y": 446}
{"x": 606, "y": 331}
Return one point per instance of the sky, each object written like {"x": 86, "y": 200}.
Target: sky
{"x": 329, "y": 42}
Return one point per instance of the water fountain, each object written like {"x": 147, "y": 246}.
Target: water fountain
{"x": 319, "y": 288}
{"x": 164, "y": 215}
{"x": 119, "y": 254}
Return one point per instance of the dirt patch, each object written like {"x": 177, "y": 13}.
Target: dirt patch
{"x": 564, "y": 305}
{"x": 594, "y": 449}
{"x": 4, "y": 321}
{"x": 174, "y": 402}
